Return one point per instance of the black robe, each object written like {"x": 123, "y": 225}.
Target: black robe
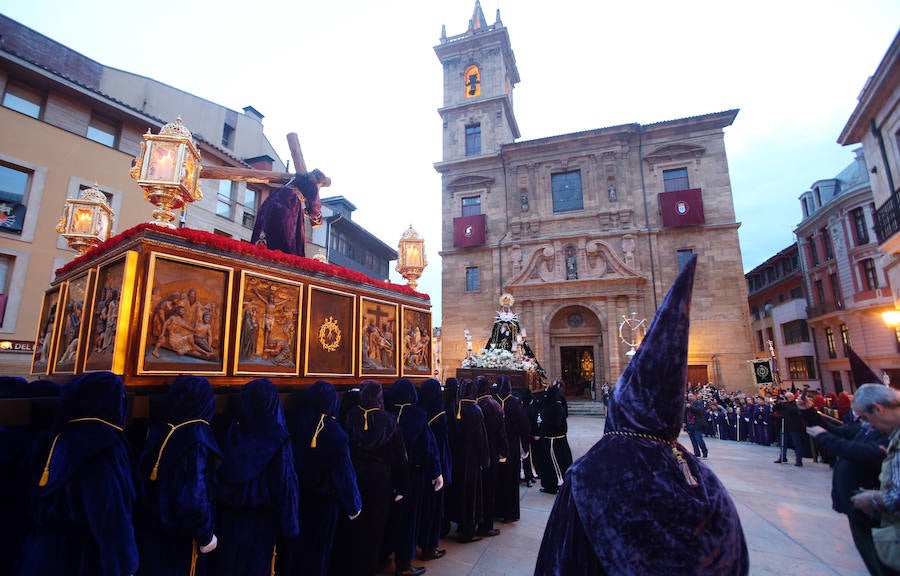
{"x": 379, "y": 458}
{"x": 554, "y": 453}
{"x": 178, "y": 469}
{"x": 471, "y": 454}
{"x": 327, "y": 481}
{"x": 432, "y": 512}
{"x": 518, "y": 431}
{"x": 424, "y": 468}
{"x": 497, "y": 444}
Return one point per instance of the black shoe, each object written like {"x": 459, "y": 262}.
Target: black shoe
{"x": 465, "y": 539}
{"x": 546, "y": 491}
{"x": 489, "y": 533}
{"x": 706, "y": 455}
{"x": 798, "y": 464}
{"x": 433, "y": 554}
{"x": 529, "y": 483}
{"x": 779, "y": 461}
{"x": 411, "y": 571}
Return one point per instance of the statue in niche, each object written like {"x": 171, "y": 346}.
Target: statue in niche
{"x": 612, "y": 192}
{"x": 571, "y": 265}
{"x": 628, "y": 246}
{"x": 524, "y": 200}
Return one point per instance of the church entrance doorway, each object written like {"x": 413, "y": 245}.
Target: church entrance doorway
{"x": 577, "y": 364}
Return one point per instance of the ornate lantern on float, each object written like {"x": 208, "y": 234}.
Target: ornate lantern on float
{"x": 411, "y": 256}
{"x": 168, "y": 170}
{"x": 86, "y": 220}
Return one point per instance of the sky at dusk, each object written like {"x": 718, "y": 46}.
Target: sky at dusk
{"x": 359, "y": 81}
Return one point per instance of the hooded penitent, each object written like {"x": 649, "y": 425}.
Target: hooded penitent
{"x": 638, "y": 503}
{"x": 84, "y": 499}
{"x": 178, "y": 469}
{"x": 368, "y": 425}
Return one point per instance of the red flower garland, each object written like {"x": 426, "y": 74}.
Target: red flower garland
{"x": 231, "y": 245}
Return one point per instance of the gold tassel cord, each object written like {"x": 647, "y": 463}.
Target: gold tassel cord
{"x": 155, "y": 472}
{"x": 274, "y": 554}
{"x": 401, "y": 406}
{"x": 679, "y": 457}
{"x": 459, "y": 409}
{"x": 366, "y": 416}
{"x": 435, "y": 417}
{"x": 45, "y": 475}
{"x": 319, "y": 427}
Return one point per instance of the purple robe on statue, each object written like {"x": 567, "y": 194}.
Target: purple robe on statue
{"x": 638, "y": 503}
{"x": 279, "y": 222}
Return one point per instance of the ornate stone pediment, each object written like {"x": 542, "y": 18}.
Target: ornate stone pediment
{"x": 593, "y": 259}
{"x": 466, "y": 183}
{"x": 671, "y": 152}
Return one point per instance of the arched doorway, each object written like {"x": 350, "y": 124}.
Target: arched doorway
{"x": 576, "y": 339}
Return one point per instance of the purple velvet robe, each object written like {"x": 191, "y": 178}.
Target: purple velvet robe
{"x": 178, "y": 469}
{"x": 83, "y": 513}
{"x": 257, "y": 493}
{"x": 279, "y": 223}
{"x": 638, "y": 503}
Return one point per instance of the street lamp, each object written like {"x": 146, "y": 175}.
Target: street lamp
{"x": 86, "y": 221}
{"x": 411, "y": 256}
{"x": 168, "y": 169}
{"x": 892, "y": 319}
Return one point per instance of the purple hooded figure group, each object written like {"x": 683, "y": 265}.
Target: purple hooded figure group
{"x": 637, "y": 503}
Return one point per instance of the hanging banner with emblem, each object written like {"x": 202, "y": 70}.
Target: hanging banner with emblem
{"x": 762, "y": 370}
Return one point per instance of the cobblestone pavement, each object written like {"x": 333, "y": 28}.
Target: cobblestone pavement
{"x": 785, "y": 511}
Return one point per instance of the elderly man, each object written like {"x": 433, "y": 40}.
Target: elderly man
{"x": 859, "y": 451}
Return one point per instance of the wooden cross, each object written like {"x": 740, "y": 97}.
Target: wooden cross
{"x": 378, "y": 313}
{"x": 261, "y": 176}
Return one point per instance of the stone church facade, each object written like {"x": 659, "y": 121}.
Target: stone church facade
{"x": 584, "y": 230}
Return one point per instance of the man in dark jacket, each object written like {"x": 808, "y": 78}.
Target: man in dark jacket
{"x": 791, "y": 428}
{"x": 859, "y": 449}
{"x": 694, "y": 414}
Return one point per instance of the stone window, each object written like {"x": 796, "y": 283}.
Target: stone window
{"x": 566, "y": 187}
{"x": 472, "y": 280}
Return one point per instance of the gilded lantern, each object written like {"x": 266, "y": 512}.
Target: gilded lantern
{"x": 411, "y": 256}
{"x": 168, "y": 170}
{"x": 86, "y": 220}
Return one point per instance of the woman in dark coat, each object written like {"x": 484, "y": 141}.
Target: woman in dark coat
{"x": 471, "y": 454}
{"x": 257, "y": 498}
{"x": 84, "y": 500}
{"x": 379, "y": 458}
{"x": 432, "y": 512}
{"x": 178, "y": 469}
{"x": 518, "y": 430}
{"x": 327, "y": 479}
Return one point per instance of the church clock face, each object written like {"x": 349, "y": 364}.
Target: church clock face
{"x": 472, "y": 78}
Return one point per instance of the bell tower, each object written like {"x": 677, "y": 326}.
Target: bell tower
{"x": 479, "y": 76}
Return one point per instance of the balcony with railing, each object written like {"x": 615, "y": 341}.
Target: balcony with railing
{"x": 887, "y": 224}
{"x": 826, "y": 307}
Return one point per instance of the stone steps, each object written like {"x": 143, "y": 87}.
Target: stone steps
{"x": 586, "y": 408}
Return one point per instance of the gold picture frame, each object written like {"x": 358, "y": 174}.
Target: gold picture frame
{"x": 107, "y": 340}
{"x": 187, "y": 307}
{"x": 378, "y": 330}
{"x": 75, "y": 310}
{"x": 415, "y": 337}
{"x": 46, "y": 332}
{"x": 267, "y": 339}
{"x": 330, "y": 342}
